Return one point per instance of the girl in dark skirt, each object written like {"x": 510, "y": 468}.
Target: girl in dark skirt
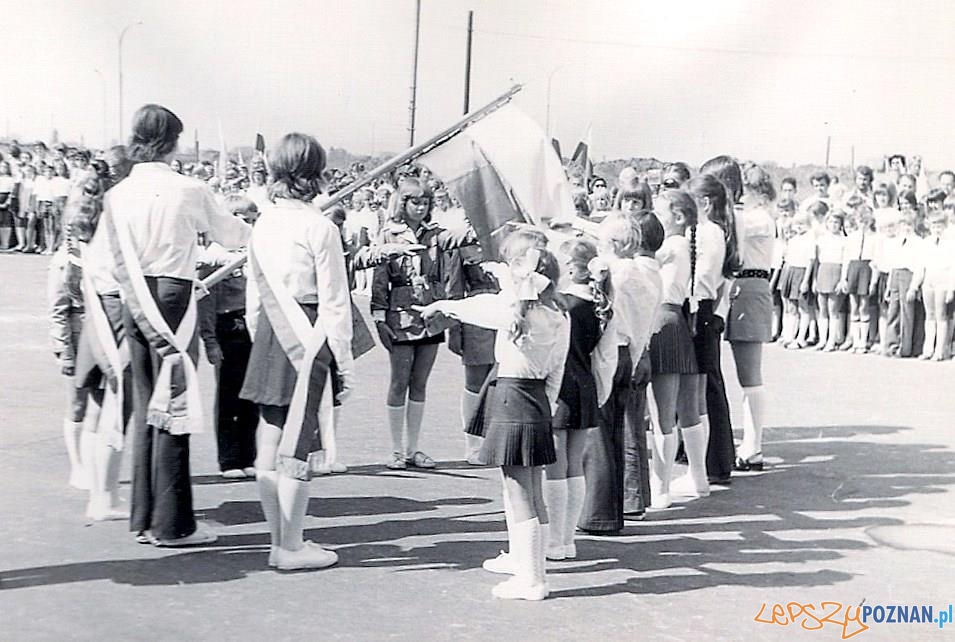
{"x": 585, "y": 299}
{"x": 294, "y": 244}
{"x": 672, "y": 355}
{"x": 830, "y": 257}
{"x": 856, "y": 277}
{"x": 531, "y": 347}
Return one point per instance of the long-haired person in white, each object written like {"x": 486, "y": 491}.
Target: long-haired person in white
{"x": 154, "y": 218}
{"x": 750, "y": 319}
{"x": 298, "y": 309}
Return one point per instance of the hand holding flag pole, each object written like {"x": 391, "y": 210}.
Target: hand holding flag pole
{"x": 405, "y": 157}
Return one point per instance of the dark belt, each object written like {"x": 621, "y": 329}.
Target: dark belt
{"x": 753, "y": 274}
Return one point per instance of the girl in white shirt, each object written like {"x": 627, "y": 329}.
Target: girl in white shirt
{"x": 7, "y": 197}
{"x": 937, "y": 288}
{"x": 856, "y": 276}
{"x": 672, "y": 355}
{"x": 828, "y": 285}
{"x": 531, "y": 347}
{"x": 800, "y": 258}
{"x": 296, "y": 255}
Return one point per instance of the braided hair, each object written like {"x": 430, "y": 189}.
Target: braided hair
{"x": 681, "y": 201}
{"x": 711, "y": 187}
{"x": 581, "y": 253}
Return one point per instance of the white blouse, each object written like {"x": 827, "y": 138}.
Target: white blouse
{"x": 674, "y": 258}
{"x": 756, "y": 231}
{"x": 165, "y": 213}
{"x": 801, "y": 250}
{"x": 710, "y": 255}
{"x": 310, "y": 248}
{"x": 831, "y": 248}
{"x": 861, "y": 245}
{"x": 543, "y": 350}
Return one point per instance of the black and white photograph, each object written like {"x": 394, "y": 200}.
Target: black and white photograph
{"x": 477, "y": 320}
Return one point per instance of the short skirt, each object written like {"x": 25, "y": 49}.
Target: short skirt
{"x": 859, "y": 276}
{"x": 6, "y": 216}
{"x": 671, "y": 348}
{"x": 789, "y": 282}
{"x": 474, "y": 344}
{"x": 270, "y": 377}
{"x": 827, "y": 278}
{"x": 750, "y": 318}
{"x": 519, "y": 425}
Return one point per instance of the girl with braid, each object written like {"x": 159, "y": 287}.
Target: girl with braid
{"x": 672, "y": 356}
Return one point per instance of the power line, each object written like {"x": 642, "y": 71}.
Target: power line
{"x": 721, "y": 50}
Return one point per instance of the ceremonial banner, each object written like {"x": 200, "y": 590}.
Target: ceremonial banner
{"x": 503, "y": 168}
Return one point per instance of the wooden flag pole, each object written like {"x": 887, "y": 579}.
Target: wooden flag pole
{"x": 405, "y": 157}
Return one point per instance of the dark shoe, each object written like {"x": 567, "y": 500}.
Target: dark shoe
{"x": 587, "y": 531}
{"x": 745, "y": 465}
{"x": 722, "y": 481}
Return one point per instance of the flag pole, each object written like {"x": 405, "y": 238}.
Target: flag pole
{"x": 405, "y": 157}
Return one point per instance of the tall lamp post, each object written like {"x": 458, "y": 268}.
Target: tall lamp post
{"x": 122, "y": 34}
{"x": 105, "y": 134}
{"x": 550, "y": 77}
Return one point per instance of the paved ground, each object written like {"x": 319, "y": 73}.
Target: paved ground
{"x": 857, "y": 506}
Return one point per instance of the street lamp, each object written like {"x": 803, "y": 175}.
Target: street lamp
{"x": 550, "y": 77}
{"x": 105, "y": 135}
{"x": 122, "y": 34}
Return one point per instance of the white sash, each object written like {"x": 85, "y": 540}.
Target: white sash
{"x": 112, "y": 359}
{"x": 178, "y": 414}
{"x": 301, "y": 342}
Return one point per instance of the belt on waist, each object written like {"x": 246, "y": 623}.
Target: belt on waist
{"x": 753, "y": 274}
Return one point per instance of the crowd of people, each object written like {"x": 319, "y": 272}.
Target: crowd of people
{"x": 591, "y": 352}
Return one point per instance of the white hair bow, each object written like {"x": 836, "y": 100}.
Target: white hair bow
{"x": 528, "y": 282}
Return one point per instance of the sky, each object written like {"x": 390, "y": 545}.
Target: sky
{"x": 760, "y": 80}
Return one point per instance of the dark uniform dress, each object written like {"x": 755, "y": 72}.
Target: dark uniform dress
{"x": 465, "y": 278}
{"x": 577, "y": 406}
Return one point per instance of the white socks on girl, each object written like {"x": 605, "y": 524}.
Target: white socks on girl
{"x": 472, "y": 444}
{"x": 103, "y": 464}
{"x": 72, "y": 435}
{"x": 294, "y": 552}
{"x": 753, "y": 402}
{"x": 414, "y": 417}
{"x": 664, "y": 454}
{"x": 555, "y": 497}
{"x": 529, "y": 581}
{"x": 695, "y": 443}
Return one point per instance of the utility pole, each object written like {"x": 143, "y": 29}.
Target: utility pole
{"x": 196, "y": 138}
{"x": 852, "y": 158}
{"x": 467, "y": 63}
{"x": 828, "y": 146}
{"x": 122, "y": 34}
{"x": 414, "y": 73}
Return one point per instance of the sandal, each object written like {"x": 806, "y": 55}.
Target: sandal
{"x": 420, "y": 460}
{"x": 397, "y": 462}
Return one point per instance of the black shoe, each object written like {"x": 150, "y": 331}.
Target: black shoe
{"x": 745, "y": 465}
{"x": 722, "y": 481}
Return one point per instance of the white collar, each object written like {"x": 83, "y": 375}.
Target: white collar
{"x": 579, "y": 290}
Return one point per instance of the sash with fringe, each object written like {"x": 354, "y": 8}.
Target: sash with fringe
{"x": 310, "y": 413}
{"x": 112, "y": 359}
{"x": 175, "y": 405}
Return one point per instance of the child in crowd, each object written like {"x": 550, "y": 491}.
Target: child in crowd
{"x": 794, "y": 288}
{"x": 830, "y": 256}
{"x": 584, "y": 296}
{"x": 860, "y": 247}
{"x": 533, "y": 337}
{"x": 938, "y": 261}
{"x": 785, "y": 209}
{"x": 901, "y": 259}
{"x": 672, "y": 355}
{"x": 8, "y": 194}
{"x": 26, "y": 211}
{"x": 46, "y": 207}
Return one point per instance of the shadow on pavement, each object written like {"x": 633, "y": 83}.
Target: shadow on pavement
{"x": 782, "y": 517}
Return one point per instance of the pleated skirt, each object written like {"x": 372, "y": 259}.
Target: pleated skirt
{"x": 671, "y": 348}
{"x": 517, "y": 424}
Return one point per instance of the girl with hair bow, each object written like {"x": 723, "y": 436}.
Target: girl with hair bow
{"x": 531, "y": 346}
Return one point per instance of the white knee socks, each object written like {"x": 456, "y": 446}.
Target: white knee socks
{"x": 267, "y": 482}
{"x": 694, "y": 442}
{"x": 396, "y": 423}
{"x": 555, "y": 497}
{"x": 753, "y": 400}
{"x": 472, "y": 444}
{"x": 72, "y": 433}
{"x": 664, "y": 454}
{"x": 293, "y": 502}
{"x": 414, "y": 417}
{"x": 576, "y": 492}
{"x": 529, "y": 582}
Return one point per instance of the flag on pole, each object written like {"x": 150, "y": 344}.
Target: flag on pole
{"x": 581, "y": 157}
{"x": 260, "y": 143}
{"x": 503, "y": 168}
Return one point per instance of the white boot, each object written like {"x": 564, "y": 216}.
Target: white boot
{"x": 694, "y": 483}
{"x": 665, "y": 446}
{"x": 529, "y": 583}
{"x": 104, "y": 504}
{"x": 576, "y": 493}
{"x": 72, "y": 434}
{"x": 472, "y": 443}
{"x": 504, "y": 562}
{"x": 295, "y": 553}
{"x": 555, "y": 498}
{"x": 752, "y": 446}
